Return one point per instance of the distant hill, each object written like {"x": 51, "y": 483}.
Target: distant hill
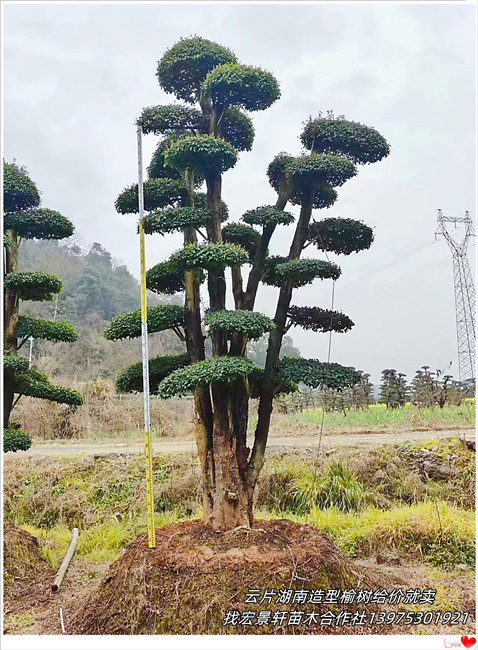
{"x": 95, "y": 288}
{"x": 93, "y": 283}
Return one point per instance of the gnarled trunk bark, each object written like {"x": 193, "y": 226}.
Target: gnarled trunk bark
{"x": 11, "y": 312}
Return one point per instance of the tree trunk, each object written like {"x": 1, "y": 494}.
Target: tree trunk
{"x": 195, "y": 347}
{"x": 8, "y": 395}
{"x": 275, "y": 341}
{"x": 11, "y": 311}
{"x": 231, "y": 505}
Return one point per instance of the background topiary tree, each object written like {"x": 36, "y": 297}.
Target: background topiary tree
{"x": 394, "y": 391}
{"x": 24, "y": 219}
{"x": 200, "y": 140}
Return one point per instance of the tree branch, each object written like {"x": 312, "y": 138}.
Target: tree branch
{"x": 23, "y": 341}
{"x": 256, "y": 460}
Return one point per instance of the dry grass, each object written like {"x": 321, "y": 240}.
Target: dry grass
{"x": 105, "y": 414}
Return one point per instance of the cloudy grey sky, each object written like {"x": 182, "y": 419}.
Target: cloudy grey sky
{"x": 77, "y": 76}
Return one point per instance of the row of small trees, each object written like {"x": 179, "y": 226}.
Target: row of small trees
{"x": 427, "y": 388}
{"x": 358, "y": 396}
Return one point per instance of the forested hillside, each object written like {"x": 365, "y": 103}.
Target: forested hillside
{"x": 95, "y": 288}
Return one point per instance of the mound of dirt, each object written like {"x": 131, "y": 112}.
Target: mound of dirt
{"x": 23, "y": 566}
{"x": 195, "y": 576}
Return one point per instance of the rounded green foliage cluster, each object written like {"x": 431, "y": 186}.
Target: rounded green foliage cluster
{"x": 244, "y": 236}
{"x": 33, "y": 285}
{"x": 131, "y": 379}
{"x": 250, "y": 323}
{"x": 357, "y": 142}
{"x": 128, "y": 325}
{"x": 184, "y": 66}
{"x": 6, "y": 241}
{"x": 165, "y": 277}
{"x": 36, "y": 384}
{"x": 17, "y": 364}
{"x": 267, "y": 215}
{"x": 19, "y": 191}
{"x": 45, "y": 329}
{"x": 15, "y": 440}
{"x": 277, "y": 172}
{"x": 214, "y": 370}
{"x": 341, "y": 236}
{"x": 45, "y": 390}
{"x": 317, "y": 374}
{"x": 325, "y": 197}
{"x": 173, "y": 219}
{"x": 302, "y": 272}
{"x": 233, "y": 84}
{"x": 324, "y": 169}
{"x": 158, "y": 193}
{"x": 39, "y": 224}
{"x": 200, "y": 201}
{"x": 270, "y": 276}
{"x": 319, "y": 320}
{"x": 157, "y": 167}
{"x": 201, "y": 153}
{"x": 210, "y": 256}
{"x": 237, "y": 129}
{"x": 162, "y": 119}
{"x": 299, "y": 272}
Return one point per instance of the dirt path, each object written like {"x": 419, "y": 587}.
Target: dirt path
{"x": 177, "y": 445}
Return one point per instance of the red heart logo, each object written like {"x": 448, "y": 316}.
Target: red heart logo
{"x": 468, "y": 641}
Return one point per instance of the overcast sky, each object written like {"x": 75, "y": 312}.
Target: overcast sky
{"x": 77, "y": 76}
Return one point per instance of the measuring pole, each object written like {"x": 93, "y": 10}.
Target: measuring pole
{"x": 144, "y": 353}
{"x": 30, "y": 338}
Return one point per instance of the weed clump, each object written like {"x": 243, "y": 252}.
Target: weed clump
{"x": 335, "y": 487}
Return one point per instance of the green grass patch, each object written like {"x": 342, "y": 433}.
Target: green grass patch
{"x": 101, "y": 543}
{"x": 442, "y": 534}
{"x": 378, "y": 417}
{"x": 335, "y": 487}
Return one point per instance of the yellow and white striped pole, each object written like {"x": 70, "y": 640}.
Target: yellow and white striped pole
{"x": 144, "y": 354}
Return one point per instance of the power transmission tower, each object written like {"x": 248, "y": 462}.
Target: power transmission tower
{"x": 465, "y": 297}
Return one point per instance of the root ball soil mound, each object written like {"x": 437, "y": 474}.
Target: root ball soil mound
{"x": 195, "y": 575}
{"x": 23, "y": 566}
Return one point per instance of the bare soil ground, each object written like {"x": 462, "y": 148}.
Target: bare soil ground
{"x": 170, "y": 446}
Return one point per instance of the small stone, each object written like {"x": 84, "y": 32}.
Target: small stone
{"x": 383, "y": 557}
{"x": 437, "y": 471}
{"x": 379, "y": 475}
{"x": 392, "y": 468}
{"x": 462, "y": 567}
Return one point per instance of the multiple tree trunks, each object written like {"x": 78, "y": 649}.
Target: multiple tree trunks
{"x": 229, "y": 469}
{"x": 11, "y": 314}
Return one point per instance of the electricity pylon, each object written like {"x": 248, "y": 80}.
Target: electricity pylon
{"x": 465, "y": 297}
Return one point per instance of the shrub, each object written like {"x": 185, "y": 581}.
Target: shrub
{"x": 15, "y": 440}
